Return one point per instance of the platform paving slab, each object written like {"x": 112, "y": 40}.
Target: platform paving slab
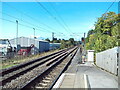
{"x": 96, "y": 77}
{"x": 70, "y": 80}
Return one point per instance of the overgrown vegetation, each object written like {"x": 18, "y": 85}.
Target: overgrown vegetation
{"x": 65, "y": 43}
{"x": 106, "y": 33}
{"x": 16, "y": 61}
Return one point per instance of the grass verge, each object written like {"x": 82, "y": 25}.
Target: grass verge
{"x": 15, "y": 61}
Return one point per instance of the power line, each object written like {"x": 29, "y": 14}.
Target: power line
{"x": 59, "y": 16}
{"x": 109, "y": 7}
{"x": 23, "y": 25}
{"x": 29, "y": 16}
{"x": 24, "y": 21}
{"x": 51, "y": 15}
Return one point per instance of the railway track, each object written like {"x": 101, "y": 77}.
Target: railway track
{"x": 48, "y": 78}
{"x": 12, "y": 73}
{"x": 21, "y": 75}
{"x": 6, "y": 71}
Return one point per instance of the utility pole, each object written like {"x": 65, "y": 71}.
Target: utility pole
{"x": 84, "y": 38}
{"x": 52, "y": 35}
{"x": 17, "y": 33}
{"x": 34, "y": 32}
{"x": 34, "y": 40}
{"x": 84, "y": 47}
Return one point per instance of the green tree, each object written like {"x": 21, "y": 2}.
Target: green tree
{"x": 47, "y": 39}
{"x": 72, "y": 41}
{"x": 105, "y": 35}
{"x": 56, "y": 41}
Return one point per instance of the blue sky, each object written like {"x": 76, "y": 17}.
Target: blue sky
{"x": 79, "y": 17}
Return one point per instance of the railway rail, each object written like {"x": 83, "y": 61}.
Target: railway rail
{"x": 48, "y": 78}
{"x": 11, "y": 73}
{"x": 9, "y": 76}
{"x": 6, "y": 71}
{"x": 20, "y": 76}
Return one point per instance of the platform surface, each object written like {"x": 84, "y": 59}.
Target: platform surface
{"x": 74, "y": 77}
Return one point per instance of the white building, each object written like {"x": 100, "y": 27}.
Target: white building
{"x": 39, "y": 45}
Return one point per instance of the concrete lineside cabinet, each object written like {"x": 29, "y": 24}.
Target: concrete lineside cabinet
{"x": 90, "y": 54}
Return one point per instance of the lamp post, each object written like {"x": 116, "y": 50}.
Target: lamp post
{"x": 84, "y": 44}
{"x": 34, "y": 40}
{"x": 53, "y": 36}
{"x": 17, "y": 33}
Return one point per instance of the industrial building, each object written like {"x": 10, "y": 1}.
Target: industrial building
{"x": 39, "y": 45}
{"x": 54, "y": 46}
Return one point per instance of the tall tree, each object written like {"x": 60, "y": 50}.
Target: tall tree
{"x": 105, "y": 35}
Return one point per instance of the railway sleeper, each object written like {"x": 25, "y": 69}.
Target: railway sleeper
{"x": 48, "y": 78}
{"x": 40, "y": 87}
{"x": 43, "y": 84}
{"x": 50, "y": 69}
{"x": 47, "y": 81}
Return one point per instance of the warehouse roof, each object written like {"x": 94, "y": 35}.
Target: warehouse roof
{"x": 31, "y": 38}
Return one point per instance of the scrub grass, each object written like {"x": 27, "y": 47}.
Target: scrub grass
{"x": 22, "y": 59}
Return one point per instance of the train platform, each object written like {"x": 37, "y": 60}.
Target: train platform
{"x": 86, "y": 75}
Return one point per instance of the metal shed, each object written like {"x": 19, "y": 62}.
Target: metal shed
{"x": 54, "y": 46}
{"x": 43, "y": 46}
{"x": 40, "y": 45}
